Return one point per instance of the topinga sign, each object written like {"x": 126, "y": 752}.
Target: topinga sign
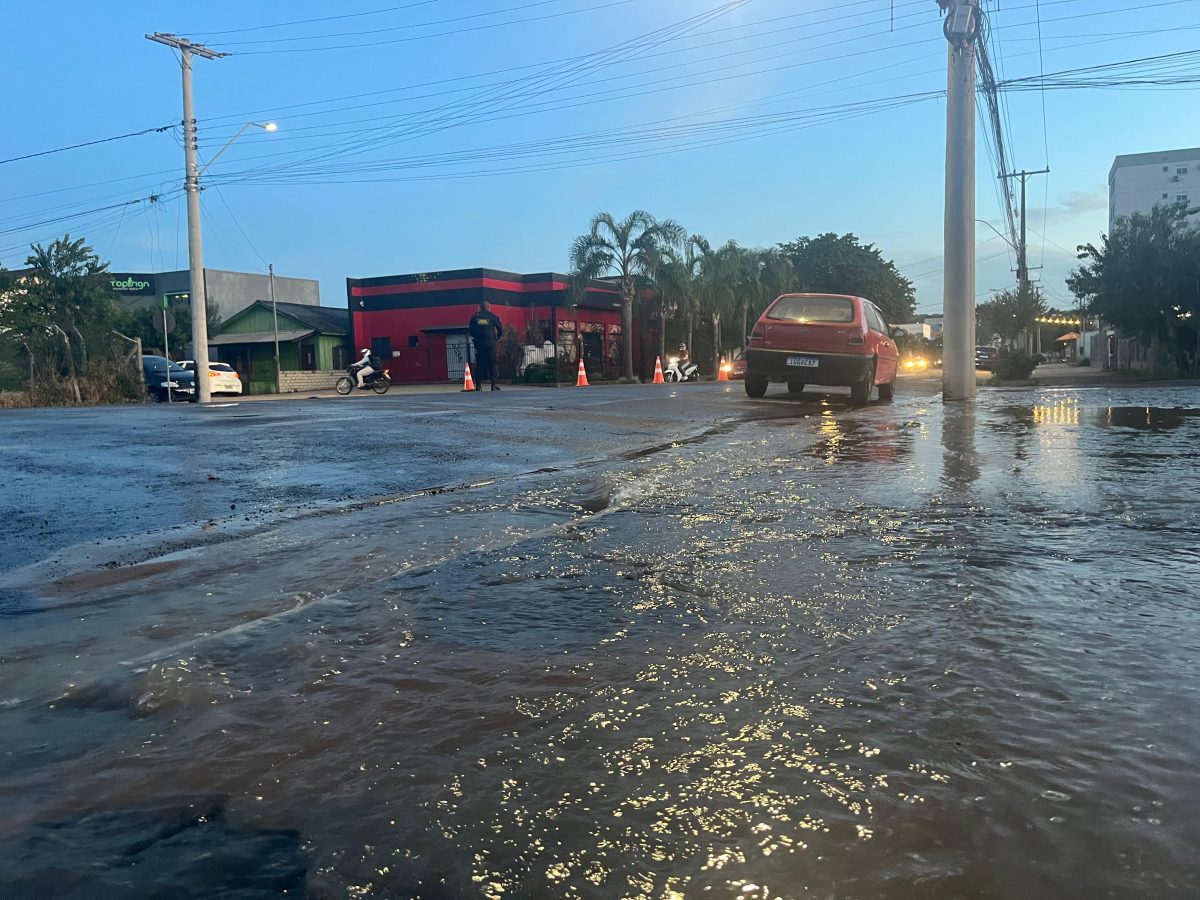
{"x": 131, "y": 284}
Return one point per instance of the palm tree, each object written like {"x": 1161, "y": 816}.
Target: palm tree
{"x": 679, "y": 277}
{"x": 627, "y": 248}
{"x": 719, "y": 286}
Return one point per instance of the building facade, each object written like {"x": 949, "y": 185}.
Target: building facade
{"x": 314, "y": 346}
{"x": 418, "y": 322}
{"x": 227, "y": 293}
{"x": 1138, "y": 182}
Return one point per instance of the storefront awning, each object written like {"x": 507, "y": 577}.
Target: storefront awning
{"x": 259, "y": 337}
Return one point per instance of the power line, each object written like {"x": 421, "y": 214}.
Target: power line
{"x": 118, "y": 137}
{"x": 406, "y": 27}
{"x": 358, "y": 15}
{"x": 449, "y": 32}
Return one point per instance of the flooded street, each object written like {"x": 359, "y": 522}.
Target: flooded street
{"x": 599, "y": 645}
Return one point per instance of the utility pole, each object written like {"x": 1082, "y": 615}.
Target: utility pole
{"x": 187, "y": 50}
{"x": 961, "y": 27}
{"x": 275, "y": 316}
{"x": 1022, "y": 251}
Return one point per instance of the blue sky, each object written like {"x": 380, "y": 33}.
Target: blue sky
{"x": 359, "y": 186}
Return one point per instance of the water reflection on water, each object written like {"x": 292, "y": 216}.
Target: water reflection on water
{"x": 905, "y": 651}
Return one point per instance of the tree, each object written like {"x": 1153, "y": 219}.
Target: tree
{"x": 1144, "y": 278}
{"x": 1007, "y": 314}
{"x": 626, "y": 248}
{"x": 718, "y": 283}
{"x": 839, "y": 264}
{"x": 60, "y": 307}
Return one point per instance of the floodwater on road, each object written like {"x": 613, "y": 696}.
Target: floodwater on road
{"x": 905, "y": 651}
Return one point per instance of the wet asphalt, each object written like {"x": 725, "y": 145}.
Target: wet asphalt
{"x": 610, "y": 642}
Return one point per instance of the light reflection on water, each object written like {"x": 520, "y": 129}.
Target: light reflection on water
{"x": 898, "y": 652}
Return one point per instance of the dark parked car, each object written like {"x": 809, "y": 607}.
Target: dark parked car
{"x": 167, "y": 380}
{"x": 985, "y": 358}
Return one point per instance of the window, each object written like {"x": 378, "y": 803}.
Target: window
{"x": 1165, "y": 197}
{"x": 813, "y": 309}
{"x": 1166, "y": 168}
{"x": 1181, "y": 198}
{"x": 341, "y": 357}
{"x": 382, "y": 347}
{"x": 1181, "y": 170}
{"x": 875, "y": 319}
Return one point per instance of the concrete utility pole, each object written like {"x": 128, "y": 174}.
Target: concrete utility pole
{"x": 961, "y": 27}
{"x": 1022, "y": 251}
{"x": 192, "y": 185}
{"x": 275, "y": 316}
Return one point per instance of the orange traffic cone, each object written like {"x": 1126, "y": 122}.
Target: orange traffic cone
{"x": 581, "y": 380}
{"x": 722, "y": 372}
{"x": 468, "y": 381}
{"x": 658, "y": 375}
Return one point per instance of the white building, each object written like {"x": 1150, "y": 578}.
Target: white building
{"x": 1138, "y": 182}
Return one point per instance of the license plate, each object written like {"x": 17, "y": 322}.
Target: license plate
{"x": 805, "y": 362}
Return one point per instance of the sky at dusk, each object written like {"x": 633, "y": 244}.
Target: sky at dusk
{"x": 443, "y": 134}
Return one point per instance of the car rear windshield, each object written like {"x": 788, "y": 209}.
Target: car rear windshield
{"x": 813, "y": 309}
{"x": 220, "y": 367}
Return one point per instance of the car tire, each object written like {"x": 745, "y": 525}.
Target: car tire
{"x": 860, "y": 392}
{"x": 756, "y": 385}
{"x": 888, "y": 391}
{"x": 795, "y": 387}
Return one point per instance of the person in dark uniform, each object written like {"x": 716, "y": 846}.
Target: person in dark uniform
{"x": 486, "y": 330}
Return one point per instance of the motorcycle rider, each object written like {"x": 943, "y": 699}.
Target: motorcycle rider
{"x": 368, "y": 365}
{"x": 683, "y": 357}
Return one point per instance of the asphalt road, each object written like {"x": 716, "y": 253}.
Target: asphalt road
{"x": 114, "y": 485}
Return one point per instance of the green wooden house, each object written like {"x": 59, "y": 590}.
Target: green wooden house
{"x": 314, "y": 346}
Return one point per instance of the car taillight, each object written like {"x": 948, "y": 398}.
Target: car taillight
{"x": 757, "y": 334}
{"x": 212, "y": 374}
{"x": 856, "y": 337}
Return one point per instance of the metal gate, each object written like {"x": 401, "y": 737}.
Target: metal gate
{"x": 458, "y": 351}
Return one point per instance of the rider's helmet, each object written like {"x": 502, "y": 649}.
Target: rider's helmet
{"x": 364, "y": 350}
{"x": 683, "y": 348}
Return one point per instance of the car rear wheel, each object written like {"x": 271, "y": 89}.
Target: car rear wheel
{"x": 796, "y": 387}
{"x": 756, "y": 385}
{"x": 860, "y": 392}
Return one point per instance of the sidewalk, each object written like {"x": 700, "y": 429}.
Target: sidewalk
{"x": 401, "y": 389}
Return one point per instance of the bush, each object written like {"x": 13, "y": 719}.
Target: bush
{"x": 1014, "y": 365}
{"x": 538, "y": 373}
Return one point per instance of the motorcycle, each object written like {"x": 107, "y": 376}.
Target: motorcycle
{"x": 687, "y": 371}
{"x": 378, "y": 381}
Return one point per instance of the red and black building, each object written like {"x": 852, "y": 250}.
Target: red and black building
{"x": 418, "y": 323}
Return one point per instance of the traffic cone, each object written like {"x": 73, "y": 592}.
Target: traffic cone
{"x": 722, "y": 373}
{"x": 658, "y": 375}
{"x": 468, "y": 381}
{"x": 581, "y": 380}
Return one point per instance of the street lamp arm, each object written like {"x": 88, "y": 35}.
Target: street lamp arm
{"x": 265, "y": 126}
{"x": 998, "y": 234}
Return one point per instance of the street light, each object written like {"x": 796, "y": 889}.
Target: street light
{"x": 265, "y": 126}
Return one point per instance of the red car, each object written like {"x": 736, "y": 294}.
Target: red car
{"x": 828, "y": 339}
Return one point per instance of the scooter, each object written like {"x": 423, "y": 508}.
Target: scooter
{"x": 688, "y": 371}
{"x": 379, "y": 381}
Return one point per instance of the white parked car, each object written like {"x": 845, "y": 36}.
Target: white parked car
{"x": 222, "y": 377}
